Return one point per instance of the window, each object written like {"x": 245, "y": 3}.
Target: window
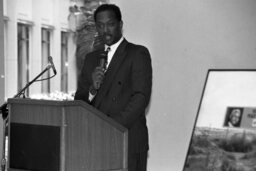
{"x": 64, "y": 61}
{"x": 46, "y": 44}
{"x": 23, "y": 56}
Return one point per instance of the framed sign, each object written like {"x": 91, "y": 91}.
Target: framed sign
{"x": 224, "y": 133}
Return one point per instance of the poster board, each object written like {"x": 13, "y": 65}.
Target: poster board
{"x": 214, "y": 144}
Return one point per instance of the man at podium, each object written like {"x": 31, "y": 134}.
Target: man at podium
{"x": 117, "y": 80}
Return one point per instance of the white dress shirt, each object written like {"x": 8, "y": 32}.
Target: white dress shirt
{"x": 113, "y": 50}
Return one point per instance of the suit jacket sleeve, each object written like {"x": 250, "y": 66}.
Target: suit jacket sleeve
{"x": 141, "y": 81}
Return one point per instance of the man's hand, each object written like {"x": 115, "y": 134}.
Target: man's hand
{"x": 97, "y": 77}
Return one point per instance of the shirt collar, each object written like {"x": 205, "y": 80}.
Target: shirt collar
{"x": 114, "y": 46}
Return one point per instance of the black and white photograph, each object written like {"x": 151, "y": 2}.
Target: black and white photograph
{"x": 233, "y": 117}
{"x": 127, "y": 85}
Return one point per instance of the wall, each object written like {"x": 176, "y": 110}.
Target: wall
{"x": 186, "y": 38}
{"x": 2, "y": 57}
{"x": 2, "y": 69}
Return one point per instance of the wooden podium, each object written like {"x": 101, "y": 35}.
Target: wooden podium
{"x": 49, "y": 135}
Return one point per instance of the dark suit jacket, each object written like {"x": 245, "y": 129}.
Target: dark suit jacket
{"x": 125, "y": 91}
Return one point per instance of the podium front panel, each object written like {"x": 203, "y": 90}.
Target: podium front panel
{"x": 34, "y": 147}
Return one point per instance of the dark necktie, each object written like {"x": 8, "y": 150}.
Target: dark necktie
{"x": 106, "y": 61}
{"x": 107, "y": 50}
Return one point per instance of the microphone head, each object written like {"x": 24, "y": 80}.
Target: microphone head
{"x": 50, "y": 59}
{"x": 104, "y": 54}
{"x": 52, "y": 65}
{"x": 103, "y": 59}
{"x": 102, "y": 62}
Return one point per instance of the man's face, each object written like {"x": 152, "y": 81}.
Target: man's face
{"x": 235, "y": 117}
{"x": 108, "y": 27}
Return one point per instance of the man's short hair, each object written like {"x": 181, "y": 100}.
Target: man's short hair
{"x": 109, "y": 7}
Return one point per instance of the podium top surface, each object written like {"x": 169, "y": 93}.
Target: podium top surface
{"x": 71, "y": 103}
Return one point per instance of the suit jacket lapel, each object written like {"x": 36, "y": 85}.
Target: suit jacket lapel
{"x": 115, "y": 63}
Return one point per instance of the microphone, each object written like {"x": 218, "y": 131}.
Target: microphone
{"x": 103, "y": 64}
{"x": 103, "y": 60}
{"x": 52, "y": 65}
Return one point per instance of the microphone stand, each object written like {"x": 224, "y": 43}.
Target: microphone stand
{"x": 3, "y": 108}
